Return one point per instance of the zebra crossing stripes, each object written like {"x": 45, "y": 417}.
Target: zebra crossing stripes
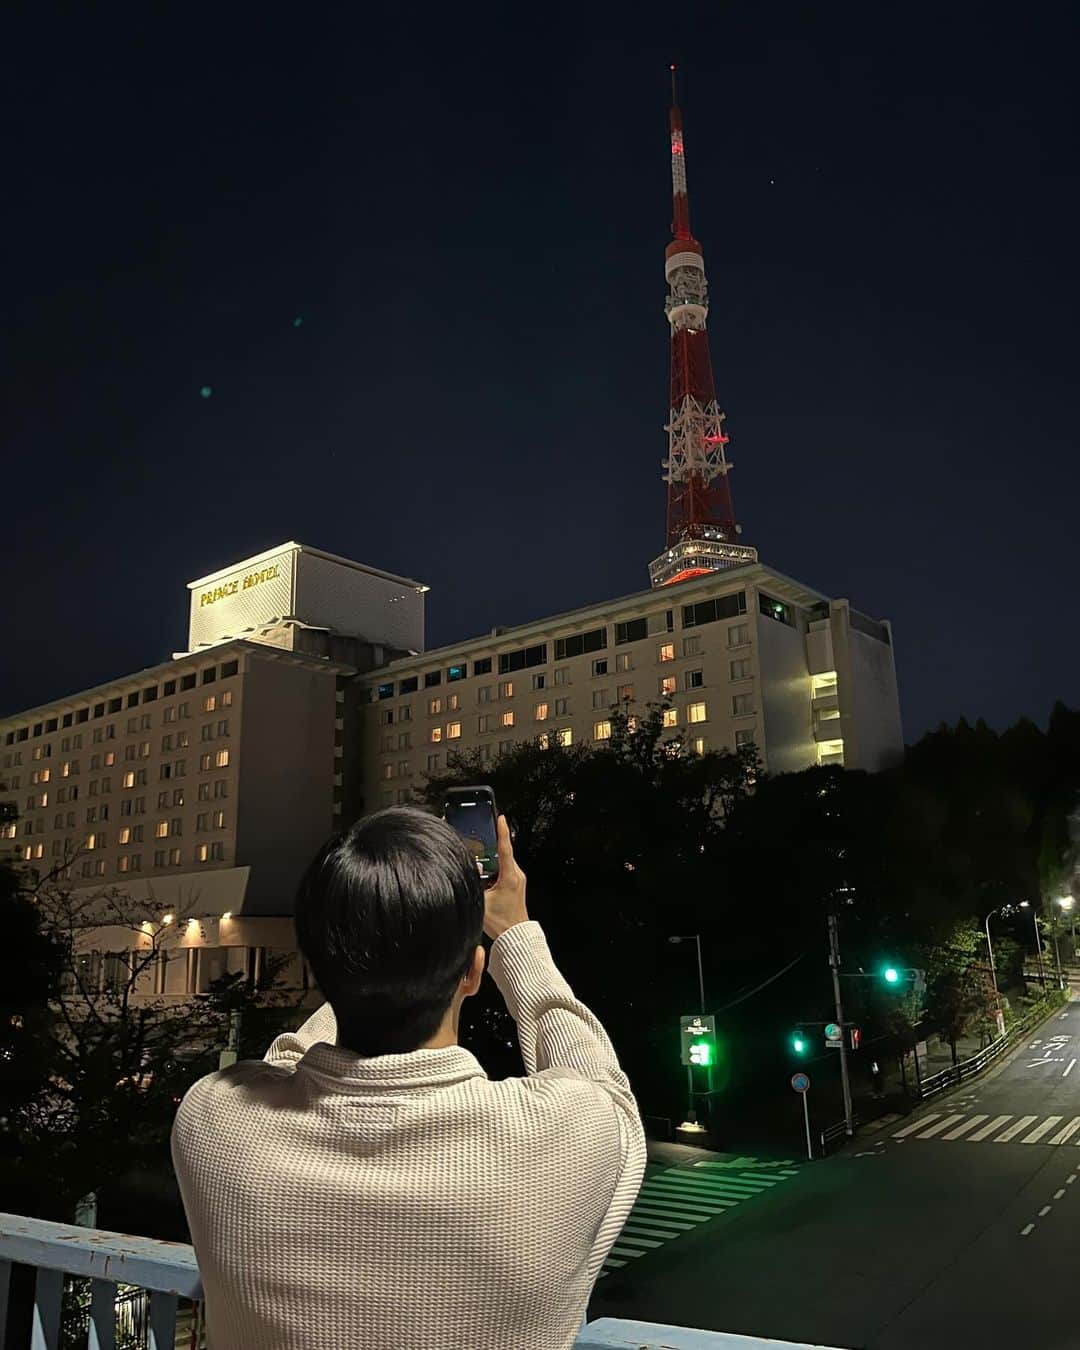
{"x": 1053, "y": 1131}
{"x": 676, "y": 1200}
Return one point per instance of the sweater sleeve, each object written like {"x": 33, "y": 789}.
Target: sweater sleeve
{"x": 558, "y": 1034}
{"x": 291, "y": 1046}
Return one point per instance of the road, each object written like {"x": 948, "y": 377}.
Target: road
{"x": 958, "y": 1226}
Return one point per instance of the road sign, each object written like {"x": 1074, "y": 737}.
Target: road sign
{"x": 800, "y": 1082}
{"x": 698, "y": 1034}
{"x": 833, "y": 1036}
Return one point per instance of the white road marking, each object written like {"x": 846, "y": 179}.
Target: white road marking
{"x": 1063, "y": 1017}
{"x": 1065, "y": 1134}
{"x": 990, "y": 1129}
{"x": 967, "y": 1125}
{"x": 1072, "y": 1065}
{"x": 941, "y": 1125}
{"x": 1059, "y": 1194}
{"x": 1022, "y": 1124}
{"x": 910, "y": 1129}
{"x": 1034, "y": 1043}
{"x": 1039, "y": 1130}
{"x": 1025, "y": 1231}
{"x": 1045, "y": 1211}
{"x": 1069, "y": 1180}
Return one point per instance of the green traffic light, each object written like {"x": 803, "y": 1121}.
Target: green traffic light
{"x": 891, "y": 975}
{"x": 701, "y": 1053}
{"x": 798, "y": 1043}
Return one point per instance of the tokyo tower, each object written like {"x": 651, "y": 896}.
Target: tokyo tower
{"x": 702, "y": 534}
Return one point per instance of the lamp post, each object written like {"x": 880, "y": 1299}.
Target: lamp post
{"x": 990, "y": 949}
{"x": 1068, "y": 906}
{"x": 691, "y": 1113}
{"x": 1026, "y": 904}
{"x": 694, "y": 937}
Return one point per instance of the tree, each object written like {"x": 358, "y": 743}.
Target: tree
{"x": 112, "y": 1060}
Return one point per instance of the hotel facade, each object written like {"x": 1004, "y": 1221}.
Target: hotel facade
{"x": 201, "y": 787}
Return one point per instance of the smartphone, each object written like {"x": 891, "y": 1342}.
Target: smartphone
{"x": 471, "y": 811}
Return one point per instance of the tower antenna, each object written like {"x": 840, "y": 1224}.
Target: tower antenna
{"x": 702, "y": 533}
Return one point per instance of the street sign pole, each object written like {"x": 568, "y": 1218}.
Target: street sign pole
{"x": 834, "y": 962}
{"x": 801, "y": 1083}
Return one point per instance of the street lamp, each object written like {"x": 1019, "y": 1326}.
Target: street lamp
{"x": 990, "y": 949}
{"x": 694, "y": 937}
{"x": 1068, "y": 906}
{"x": 1026, "y": 904}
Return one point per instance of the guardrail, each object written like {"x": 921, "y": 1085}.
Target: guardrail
{"x": 975, "y": 1064}
{"x": 834, "y": 1133}
{"x": 169, "y": 1271}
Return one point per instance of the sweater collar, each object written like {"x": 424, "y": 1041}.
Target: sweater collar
{"x": 418, "y": 1069}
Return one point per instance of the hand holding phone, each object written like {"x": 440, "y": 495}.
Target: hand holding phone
{"x": 504, "y": 903}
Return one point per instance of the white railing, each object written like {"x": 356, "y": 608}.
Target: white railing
{"x": 975, "y": 1064}
{"x": 169, "y": 1271}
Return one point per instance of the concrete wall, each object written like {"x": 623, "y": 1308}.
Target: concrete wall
{"x": 869, "y": 698}
{"x": 286, "y": 767}
{"x": 785, "y": 694}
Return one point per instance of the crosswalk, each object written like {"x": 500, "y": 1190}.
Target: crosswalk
{"x": 984, "y": 1129}
{"x": 676, "y": 1200}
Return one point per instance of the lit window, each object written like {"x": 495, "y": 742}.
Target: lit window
{"x": 205, "y": 761}
{"x": 144, "y": 749}
{"x": 436, "y": 735}
{"x": 161, "y": 829}
{"x": 221, "y": 759}
{"x": 125, "y": 835}
{"x": 434, "y": 707}
{"x": 506, "y": 688}
{"x": 43, "y": 800}
{"x": 225, "y": 699}
{"x": 65, "y": 768}
{"x": 93, "y": 841}
{"x": 698, "y": 745}
{"x": 453, "y": 731}
{"x": 696, "y": 713}
{"x": 667, "y": 685}
{"x": 507, "y": 718}
{"x": 565, "y": 736}
{"x": 124, "y": 862}
{"x": 626, "y": 693}
{"x": 129, "y": 779}
{"x": 219, "y": 820}
{"x": 671, "y": 717}
{"x": 666, "y": 652}
{"x": 174, "y": 857}
{"x": 209, "y": 703}
{"x": 741, "y": 704}
{"x": 388, "y": 770}
{"x": 541, "y": 712}
{"x": 624, "y": 661}
{"x": 601, "y": 730}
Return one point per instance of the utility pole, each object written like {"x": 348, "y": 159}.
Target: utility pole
{"x": 834, "y": 962}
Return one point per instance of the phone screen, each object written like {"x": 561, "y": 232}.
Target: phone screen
{"x": 474, "y": 820}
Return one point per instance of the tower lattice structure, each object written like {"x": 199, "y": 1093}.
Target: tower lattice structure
{"x": 702, "y": 533}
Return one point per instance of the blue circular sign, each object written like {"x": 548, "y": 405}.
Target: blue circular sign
{"x": 800, "y": 1082}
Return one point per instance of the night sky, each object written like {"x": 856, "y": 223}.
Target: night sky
{"x": 467, "y": 208}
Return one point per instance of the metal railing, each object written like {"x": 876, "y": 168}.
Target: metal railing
{"x": 975, "y": 1064}
{"x": 169, "y": 1271}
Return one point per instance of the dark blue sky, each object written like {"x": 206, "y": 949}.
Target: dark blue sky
{"x": 468, "y": 208}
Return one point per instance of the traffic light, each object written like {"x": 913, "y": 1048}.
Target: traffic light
{"x": 698, "y": 1036}
{"x": 890, "y": 975}
{"x": 799, "y": 1042}
{"x": 701, "y": 1052}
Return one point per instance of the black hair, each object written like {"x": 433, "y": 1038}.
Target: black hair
{"x": 388, "y": 915}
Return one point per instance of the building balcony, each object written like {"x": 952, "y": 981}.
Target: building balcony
{"x": 162, "y": 1292}
{"x": 828, "y": 728}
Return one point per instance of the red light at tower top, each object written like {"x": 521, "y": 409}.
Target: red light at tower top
{"x": 702, "y": 533}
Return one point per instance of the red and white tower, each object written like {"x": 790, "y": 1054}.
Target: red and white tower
{"x": 702, "y": 535}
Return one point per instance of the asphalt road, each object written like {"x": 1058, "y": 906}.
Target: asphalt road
{"x": 958, "y": 1226}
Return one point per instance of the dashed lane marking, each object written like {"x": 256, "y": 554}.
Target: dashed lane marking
{"x": 1045, "y": 1211}
{"x": 1025, "y": 1231}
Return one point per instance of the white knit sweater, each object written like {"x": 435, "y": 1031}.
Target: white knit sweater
{"x": 407, "y": 1202}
